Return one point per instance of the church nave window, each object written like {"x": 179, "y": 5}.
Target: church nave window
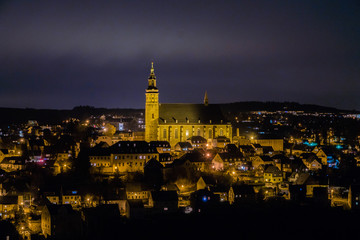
{"x": 221, "y": 132}
{"x": 176, "y": 133}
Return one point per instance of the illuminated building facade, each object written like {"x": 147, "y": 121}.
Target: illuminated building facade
{"x": 177, "y": 122}
{"x": 122, "y": 157}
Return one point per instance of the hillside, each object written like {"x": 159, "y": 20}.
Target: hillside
{"x": 54, "y": 116}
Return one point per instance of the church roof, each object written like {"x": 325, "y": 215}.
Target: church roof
{"x": 190, "y": 113}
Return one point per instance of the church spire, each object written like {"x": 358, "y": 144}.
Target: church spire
{"x": 152, "y": 78}
{"x": 206, "y": 100}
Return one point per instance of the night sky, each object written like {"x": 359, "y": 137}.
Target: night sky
{"x": 61, "y": 54}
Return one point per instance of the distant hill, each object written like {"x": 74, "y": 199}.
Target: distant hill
{"x": 279, "y": 106}
{"x": 53, "y": 116}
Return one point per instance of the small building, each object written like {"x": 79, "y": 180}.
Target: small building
{"x": 161, "y": 146}
{"x": 205, "y": 182}
{"x": 312, "y": 162}
{"x": 14, "y": 163}
{"x": 8, "y": 207}
{"x": 241, "y": 194}
{"x": 164, "y": 201}
{"x": 227, "y": 160}
{"x": 198, "y": 160}
{"x": 183, "y": 147}
{"x": 272, "y": 174}
{"x": 198, "y": 142}
{"x": 72, "y": 197}
{"x": 135, "y": 209}
{"x": 247, "y": 150}
{"x": 261, "y": 160}
{"x": 222, "y": 191}
{"x": 282, "y": 162}
{"x": 61, "y": 222}
{"x": 52, "y": 197}
{"x": 203, "y": 199}
{"x": 137, "y": 190}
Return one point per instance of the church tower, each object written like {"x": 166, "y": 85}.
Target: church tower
{"x": 151, "y": 108}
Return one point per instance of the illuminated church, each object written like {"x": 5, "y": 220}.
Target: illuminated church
{"x": 177, "y": 122}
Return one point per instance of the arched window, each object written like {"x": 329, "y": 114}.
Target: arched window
{"x": 221, "y": 132}
{"x": 153, "y": 116}
{"x": 176, "y": 133}
{"x": 210, "y": 133}
{"x": 187, "y": 133}
{"x": 198, "y": 131}
{"x": 164, "y": 133}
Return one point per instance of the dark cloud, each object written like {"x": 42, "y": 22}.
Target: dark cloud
{"x": 59, "y": 54}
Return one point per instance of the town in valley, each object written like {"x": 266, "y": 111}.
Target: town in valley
{"x": 207, "y": 168}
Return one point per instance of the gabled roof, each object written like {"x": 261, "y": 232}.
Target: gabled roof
{"x": 134, "y": 187}
{"x": 15, "y": 160}
{"x": 184, "y": 145}
{"x": 231, "y": 148}
{"x": 267, "y": 149}
{"x": 178, "y": 162}
{"x": 209, "y": 180}
{"x": 60, "y": 209}
{"x": 164, "y": 196}
{"x": 183, "y": 112}
{"x": 195, "y": 156}
{"x": 266, "y": 158}
{"x": 102, "y": 145}
{"x": 153, "y": 164}
{"x": 246, "y": 147}
{"x": 243, "y": 189}
{"x": 311, "y": 159}
{"x": 197, "y": 139}
{"x": 123, "y": 147}
{"x": 219, "y": 188}
{"x": 281, "y": 158}
{"x": 307, "y": 155}
{"x": 272, "y": 169}
{"x": 303, "y": 177}
{"x": 160, "y": 144}
{"x": 4, "y": 151}
{"x": 227, "y": 156}
{"x": 132, "y": 147}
